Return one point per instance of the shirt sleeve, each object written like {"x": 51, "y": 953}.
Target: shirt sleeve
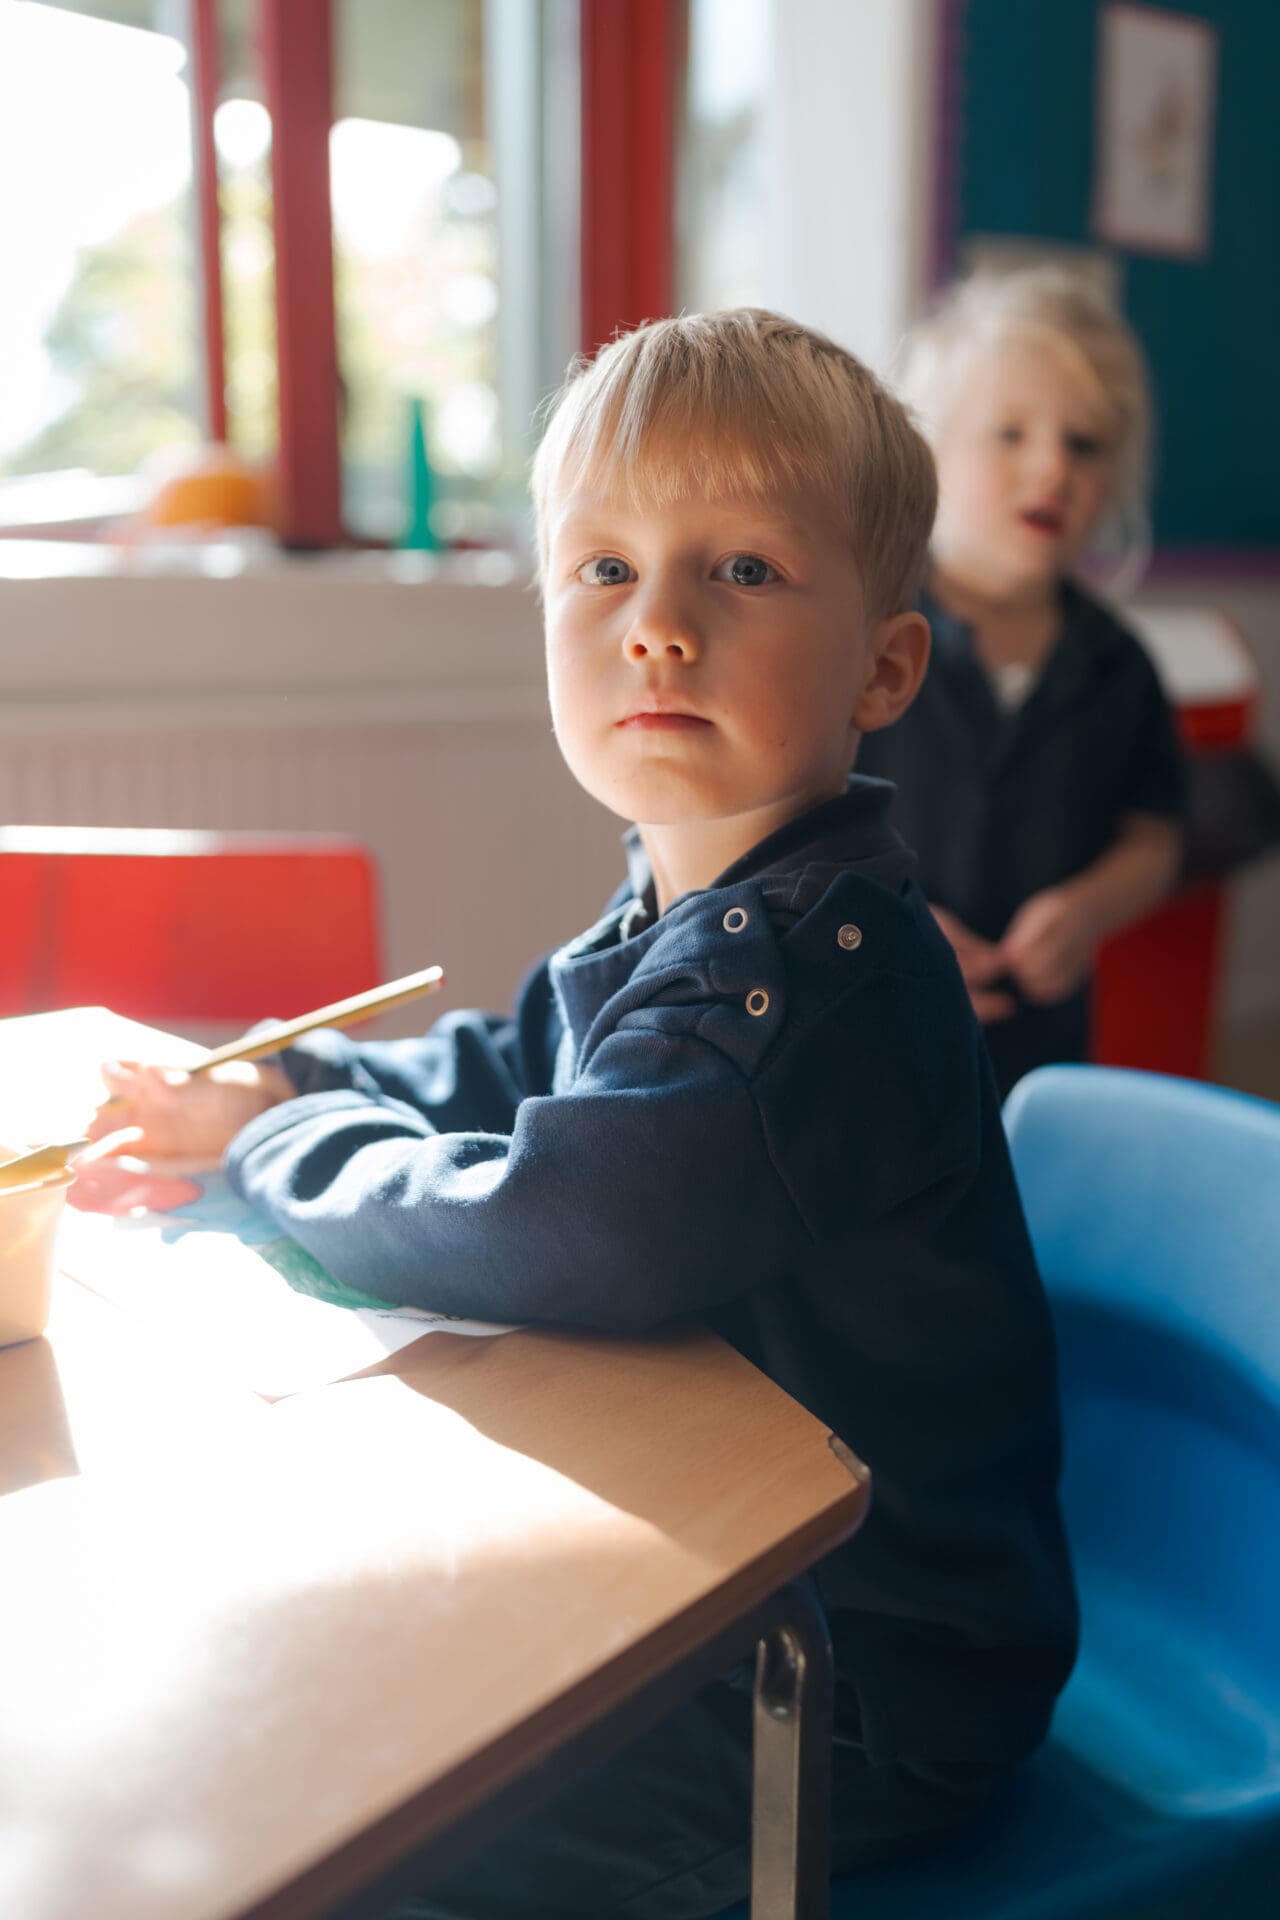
{"x": 465, "y": 1073}
{"x": 470, "y": 1071}
{"x": 1157, "y": 776}
{"x": 592, "y": 1209}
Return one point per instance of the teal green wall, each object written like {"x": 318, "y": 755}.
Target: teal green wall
{"x": 1211, "y": 327}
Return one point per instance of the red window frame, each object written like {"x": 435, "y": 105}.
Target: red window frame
{"x": 629, "y": 51}
{"x": 296, "y": 47}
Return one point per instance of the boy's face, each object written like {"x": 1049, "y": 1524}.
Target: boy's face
{"x": 710, "y": 660}
{"x": 1024, "y": 470}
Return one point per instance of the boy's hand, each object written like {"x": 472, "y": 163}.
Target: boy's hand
{"x": 981, "y": 962}
{"x": 1049, "y": 945}
{"x": 165, "y": 1112}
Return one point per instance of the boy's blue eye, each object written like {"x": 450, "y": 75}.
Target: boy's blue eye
{"x": 1084, "y": 446}
{"x": 745, "y": 570}
{"x": 1010, "y": 435}
{"x": 606, "y": 570}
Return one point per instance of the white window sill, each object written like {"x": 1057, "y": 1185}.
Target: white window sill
{"x": 103, "y": 635}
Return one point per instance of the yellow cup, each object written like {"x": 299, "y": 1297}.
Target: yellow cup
{"x": 29, "y": 1218}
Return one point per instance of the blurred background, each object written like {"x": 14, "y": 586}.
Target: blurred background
{"x": 287, "y": 281}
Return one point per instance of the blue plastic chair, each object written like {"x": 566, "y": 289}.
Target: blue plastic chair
{"x": 1154, "y": 1205}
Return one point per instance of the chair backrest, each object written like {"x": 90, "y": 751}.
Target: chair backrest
{"x": 1154, "y": 1206}
{"x": 176, "y": 926}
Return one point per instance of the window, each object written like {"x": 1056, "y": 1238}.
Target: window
{"x": 723, "y": 210}
{"x": 98, "y": 333}
{"x": 453, "y": 188}
{"x": 447, "y": 163}
{"x": 246, "y": 244}
{"x": 415, "y": 255}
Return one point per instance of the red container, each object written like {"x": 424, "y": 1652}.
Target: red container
{"x": 1157, "y": 987}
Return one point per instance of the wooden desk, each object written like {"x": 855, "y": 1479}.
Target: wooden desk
{"x": 252, "y": 1656}
{"x": 246, "y": 1677}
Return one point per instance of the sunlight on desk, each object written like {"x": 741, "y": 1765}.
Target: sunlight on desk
{"x": 370, "y": 1546}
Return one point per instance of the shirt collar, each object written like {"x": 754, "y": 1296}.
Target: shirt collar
{"x": 953, "y": 635}
{"x": 1070, "y": 672}
{"x": 851, "y": 830}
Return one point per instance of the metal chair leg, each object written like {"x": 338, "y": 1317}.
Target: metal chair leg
{"x": 791, "y": 1794}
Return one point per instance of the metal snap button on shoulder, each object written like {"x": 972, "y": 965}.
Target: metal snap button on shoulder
{"x": 757, "y": 1002}
{"x": 735, "y": 920}
{"x": 850, "y": 937}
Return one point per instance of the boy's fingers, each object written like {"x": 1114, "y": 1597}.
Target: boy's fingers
{"x": 109, "y": 1118}
{"x": 986, "y": 965}
{"x": 1022, "y": 942}
{"x": 125, "y": 1079}
{"x": 117, "y": 1139}
{"x": 991, "y": 1008}
{"x": 108, "y": 1125}
{"x": 983, "y": 961}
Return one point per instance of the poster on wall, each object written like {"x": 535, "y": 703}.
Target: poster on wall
{"x": 1154, "y": 119}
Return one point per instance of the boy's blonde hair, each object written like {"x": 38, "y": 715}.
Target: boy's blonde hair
{"x": 1057, "y": 310}
{"x": 746, "y": 403}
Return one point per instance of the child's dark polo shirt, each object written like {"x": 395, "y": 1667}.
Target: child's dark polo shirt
{"x": 768, "y": 1108}
{"x": 999, "y": 805}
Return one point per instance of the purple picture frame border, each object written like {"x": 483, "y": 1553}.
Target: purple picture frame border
{"x": 951, "y": 19}
{"x": 1169, "y": 565}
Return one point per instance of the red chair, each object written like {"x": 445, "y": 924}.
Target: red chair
{"x": 168, "y": 927}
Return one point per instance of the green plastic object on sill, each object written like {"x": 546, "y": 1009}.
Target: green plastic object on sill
{"x": 420, "y": 487}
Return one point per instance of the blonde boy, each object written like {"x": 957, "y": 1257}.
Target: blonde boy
{"x": 753, "y": 1093}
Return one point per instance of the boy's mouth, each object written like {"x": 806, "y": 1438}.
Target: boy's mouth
{"x": 650, "y": 717}
{"x": 1044, "y": 519}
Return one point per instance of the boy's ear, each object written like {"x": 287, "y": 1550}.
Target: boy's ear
{"x": 897, "y": 658}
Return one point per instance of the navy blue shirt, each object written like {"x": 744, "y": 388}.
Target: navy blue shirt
{"x": 768, "y": 1108}
{"x": 1001, "y": 804}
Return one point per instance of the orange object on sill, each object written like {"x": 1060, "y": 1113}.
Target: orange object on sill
{"x": 216, "y": 489}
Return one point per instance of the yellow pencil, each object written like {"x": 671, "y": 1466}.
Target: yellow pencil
{"x": 342, "y": 1013}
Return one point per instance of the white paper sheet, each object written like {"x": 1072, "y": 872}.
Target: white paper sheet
{"x": 172, "y": 1241}
{"x": 182, "y": 1248}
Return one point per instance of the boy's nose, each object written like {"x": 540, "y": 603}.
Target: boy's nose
{"x": 653, "y": 637}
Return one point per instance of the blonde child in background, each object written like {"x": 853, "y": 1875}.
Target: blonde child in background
{"x": 1038, "y": 771}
